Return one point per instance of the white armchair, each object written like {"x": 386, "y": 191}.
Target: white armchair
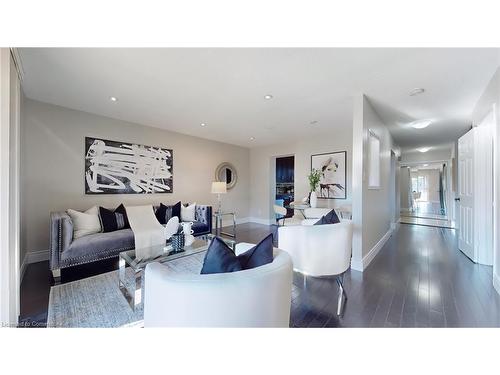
{"x": 259, "y": 297}
{"x": 320, "y": 250}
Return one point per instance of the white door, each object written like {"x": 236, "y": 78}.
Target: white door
{"x": 483, "y": 203}
{"x": 466, "y": 193}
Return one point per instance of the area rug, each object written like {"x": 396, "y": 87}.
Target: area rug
{"x": 97, "y": 301}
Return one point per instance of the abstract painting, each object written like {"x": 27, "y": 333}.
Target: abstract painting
{"x": 333, "y": 169}
{"x": 124, "y": 168}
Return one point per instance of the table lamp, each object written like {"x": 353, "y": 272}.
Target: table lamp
{"x": 219, "y": 187}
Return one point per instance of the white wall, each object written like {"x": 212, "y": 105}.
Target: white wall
{"x": 262, "y": 164}
{"x": 53, "y": 166}
{"x": 372, "y": 214}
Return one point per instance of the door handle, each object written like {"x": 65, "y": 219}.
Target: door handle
{"x": 457, "y": 199}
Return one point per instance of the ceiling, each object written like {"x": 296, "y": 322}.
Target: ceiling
{"x": 180, "y": 88}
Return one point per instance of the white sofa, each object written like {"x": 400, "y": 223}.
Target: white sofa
{"x": 319, "y": 250}
{"x": 259, "y": 297}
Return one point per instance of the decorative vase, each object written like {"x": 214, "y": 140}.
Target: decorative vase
{"x": 313, "y": 199}
{"x": 178, "y": 242}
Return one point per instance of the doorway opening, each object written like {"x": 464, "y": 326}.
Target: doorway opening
{"x": 285, "y": 183}
{"x": 425, "y": 194}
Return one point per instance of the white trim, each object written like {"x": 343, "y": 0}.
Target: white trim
{"x": 258, "y": 220}
{"x": 496, "y": 283}
{"x": 24, "y": 265}
{"x": 361, "y": 265}
{"x": 36, "y": 256}
{"x": 18, "y": 63}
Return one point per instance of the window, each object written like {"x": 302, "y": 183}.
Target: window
{"x": 373, "y": 160}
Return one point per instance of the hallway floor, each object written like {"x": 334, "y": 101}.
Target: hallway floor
{"x": 419, "y": 279}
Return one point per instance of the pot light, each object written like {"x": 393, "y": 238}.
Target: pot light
{"x": 420, "y": 124}
{"x": 268, "y": 97}
{"x": 416, "y": 91}
{"x": 423, "y": 149}
{"x": 252, "y": 138}
{"x": 113, "y": 98}
{"x": 203, "y": 124}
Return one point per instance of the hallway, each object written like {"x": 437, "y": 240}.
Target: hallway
{"x": 419, "y": 279}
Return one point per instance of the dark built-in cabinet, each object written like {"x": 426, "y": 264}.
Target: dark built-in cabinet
{"x": 285, "y": 181}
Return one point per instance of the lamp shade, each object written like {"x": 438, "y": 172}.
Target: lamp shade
{"x": 219, "y": 187}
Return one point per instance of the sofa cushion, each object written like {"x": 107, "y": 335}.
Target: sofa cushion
{"x": 100, "y": 243}
{"x": 199, "y": 227}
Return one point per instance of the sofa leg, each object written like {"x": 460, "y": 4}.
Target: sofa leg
{"x": 56, "y": 274}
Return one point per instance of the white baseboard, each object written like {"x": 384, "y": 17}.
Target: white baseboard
{"x": 258, "y": 220}
{"x": 32, "y": 257}
{"x": 360, "y": 265}
{"x": 496, "y": 282}
{"x": 24, "y": 265}
{"x": 37, "y": 256}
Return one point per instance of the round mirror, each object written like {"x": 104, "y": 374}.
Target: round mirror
{"x": 226, "y": 172}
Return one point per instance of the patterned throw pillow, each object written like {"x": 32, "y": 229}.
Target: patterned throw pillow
{"x": 113, "y": 220}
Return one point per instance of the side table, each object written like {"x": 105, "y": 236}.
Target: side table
{"x": 218, "y": 223}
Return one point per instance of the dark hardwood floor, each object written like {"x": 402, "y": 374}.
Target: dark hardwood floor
{"x": 419, "y": 279}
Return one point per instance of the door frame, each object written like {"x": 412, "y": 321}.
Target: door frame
{"x": 449, "y": 194}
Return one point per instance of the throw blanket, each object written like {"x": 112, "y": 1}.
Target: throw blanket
{"x": 147, "y": 230}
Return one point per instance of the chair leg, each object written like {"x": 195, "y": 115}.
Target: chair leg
{"x": 342, "y": 294}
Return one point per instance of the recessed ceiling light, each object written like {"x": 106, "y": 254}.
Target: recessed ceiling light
{"x": 420, "y": 124}
{"x": 203, "y": 124}
{"x": 252, "y": 138}
{"x": 113, "y": 98}
{"x": 423, "y": 149}
{"x": 313, "y": 122}
{"x": 417, "y": 91}
{"x": 268, "y": 96}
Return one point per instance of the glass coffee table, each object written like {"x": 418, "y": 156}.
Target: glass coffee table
{"x": 131, "y": 283}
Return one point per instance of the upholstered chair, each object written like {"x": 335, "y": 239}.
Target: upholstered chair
{"x": 320, "y": 250}
{"x": 258, "y": 297}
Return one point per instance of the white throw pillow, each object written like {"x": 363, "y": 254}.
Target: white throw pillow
{"x": 188, "y": 213}
{"x": 85, "y": 223}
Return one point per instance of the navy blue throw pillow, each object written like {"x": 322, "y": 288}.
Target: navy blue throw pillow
{"x": 221, "y": 259}
{"x": 163, "y": 213}
{"x": 330, "y": 218}
{"x": 257, "y": 256}
{"x": 113, "y": 220}
{"x": 176, "y": 210}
